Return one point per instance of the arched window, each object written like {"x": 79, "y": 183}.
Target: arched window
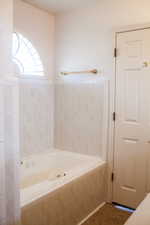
{"x": 26, "y": 57}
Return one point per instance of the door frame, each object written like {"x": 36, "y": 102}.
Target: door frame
{"x": 112, "y": 107}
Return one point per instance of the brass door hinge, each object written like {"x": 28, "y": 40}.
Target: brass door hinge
{"x": 115, "y": 52}
{"x": 112, "y": 177}
{"x": 114, "y": 116}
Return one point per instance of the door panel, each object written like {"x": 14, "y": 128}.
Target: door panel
{"x": 132, "y": 127}
{"x": 1, "y": 114}
{"x": 131, "y": 98}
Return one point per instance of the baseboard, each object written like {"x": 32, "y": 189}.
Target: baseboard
{"x": 92, "y": 213}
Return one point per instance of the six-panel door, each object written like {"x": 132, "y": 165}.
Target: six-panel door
{"x": 132, "y": 127}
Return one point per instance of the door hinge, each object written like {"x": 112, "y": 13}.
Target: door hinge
{"x": 114, "y": 116}
{"x": 112, "y": 177}
{"x": 115, "y": 52}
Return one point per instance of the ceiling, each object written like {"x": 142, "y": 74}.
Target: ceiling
{"x": 56, "y": 6}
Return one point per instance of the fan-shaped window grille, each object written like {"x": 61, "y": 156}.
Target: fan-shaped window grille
{"x": 26, "y": 57}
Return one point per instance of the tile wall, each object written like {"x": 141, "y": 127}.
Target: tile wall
{"x": 80, "y": 117}
{"x": 36, "y": 117}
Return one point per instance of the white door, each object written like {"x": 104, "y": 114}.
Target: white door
{"x": 132, "y": 126}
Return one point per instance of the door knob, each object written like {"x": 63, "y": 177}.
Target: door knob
{"x": 145, "y": 64}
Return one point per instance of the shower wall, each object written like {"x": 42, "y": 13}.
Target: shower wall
{"x": 36, "y": 117}
{"x": 36, "y": 95}
{"x": 80, "y": 122}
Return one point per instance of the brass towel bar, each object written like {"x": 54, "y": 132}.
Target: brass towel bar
{"x": 94, "y": 71}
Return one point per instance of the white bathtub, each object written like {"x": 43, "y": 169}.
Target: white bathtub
{"x": 44, "y": 173}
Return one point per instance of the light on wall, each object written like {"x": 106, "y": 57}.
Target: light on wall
{"x": 26, "y": 57}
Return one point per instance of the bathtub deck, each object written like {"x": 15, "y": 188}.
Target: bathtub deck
{"x": 71, "y": 164}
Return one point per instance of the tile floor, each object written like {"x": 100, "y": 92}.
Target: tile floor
{"x": 108, "y": 215}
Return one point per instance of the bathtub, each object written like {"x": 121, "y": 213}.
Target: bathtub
{"x": 47, "y": 178}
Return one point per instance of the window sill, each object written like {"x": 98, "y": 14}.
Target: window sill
{"x": 33, "y": 78}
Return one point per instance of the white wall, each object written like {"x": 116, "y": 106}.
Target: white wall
{"x": 6, "y": 27}
{"x": 85, "y": 39}
{"x": 36, "y": 96}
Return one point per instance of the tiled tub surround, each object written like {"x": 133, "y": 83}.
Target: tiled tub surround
{"x": 61, "y": 188}
{"x": 36, "y": 108}
{"x": 81, "y": 116}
